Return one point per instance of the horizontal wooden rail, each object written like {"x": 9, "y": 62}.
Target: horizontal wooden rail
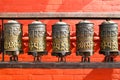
{"x": 59, "y": 65}
{"x": 59, "y": 15}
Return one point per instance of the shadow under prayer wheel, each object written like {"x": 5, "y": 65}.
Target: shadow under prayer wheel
{"x": 60, "y": 40}
{"x": 13, "y": 39}
{"x": 37, "y": 40}
{"x": 108, "y": 31}
{"x": 84, "y": 40}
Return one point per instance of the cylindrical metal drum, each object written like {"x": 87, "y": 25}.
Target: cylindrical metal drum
{"x": 109, "y": 37}
{"x": 12, "y": 37}
{"x": 37, "y": 38}
{"x": 61, "y": 39}
{"x": 84, "y": 38}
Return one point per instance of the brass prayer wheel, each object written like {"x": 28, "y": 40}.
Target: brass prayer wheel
{"x": 61, "y": 40}
{"x": 13, "y": 39}
{"x": 108, "y": 31}
{"x": 37, "y": 39}
{"x": 84, "y": 39}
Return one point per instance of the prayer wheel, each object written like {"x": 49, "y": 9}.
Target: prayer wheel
{"x": 61, "y": 40}
{"x": 13, "y": 39}
{"x": 37, "y": 39}
{"x": 108, "y": 31}
{"x": 84, "y": 40}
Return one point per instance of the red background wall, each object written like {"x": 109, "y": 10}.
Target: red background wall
{"x": 60, "y": 6}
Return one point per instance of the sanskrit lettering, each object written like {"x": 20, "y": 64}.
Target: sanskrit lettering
{"x": 12, "y": 44}
{"x": 61, "y": 44}
{"x": 12, "y": 31}
{"x": 36, "y": 33}
{"x": 12, "y": 37}
{"x": 60, "y": 34}
{"x": 108, "y": 37}
{"x": 112, "y": 45}
{"x": 40, "y": 46}
{"x": 85, "y": 32}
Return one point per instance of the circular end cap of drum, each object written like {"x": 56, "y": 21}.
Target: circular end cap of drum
{"x": 85, "y": 21}
{"x": 12, "y": 21}
{"x": 108, "y": 22}
{"x": 60, "y": 23}
{"x": 37, "y": 22}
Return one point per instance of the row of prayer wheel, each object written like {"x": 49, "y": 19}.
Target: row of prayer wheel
{"x": 61, "y": 40}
